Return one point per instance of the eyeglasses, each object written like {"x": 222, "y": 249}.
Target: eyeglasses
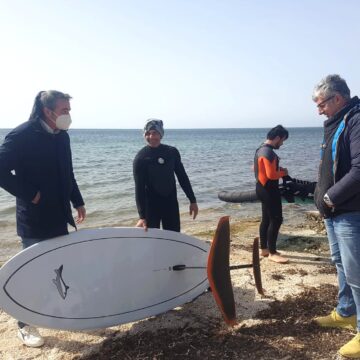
{"x": 323, "y": 103}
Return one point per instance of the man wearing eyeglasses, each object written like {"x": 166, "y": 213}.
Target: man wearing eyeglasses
{"x": 337, "y": 197}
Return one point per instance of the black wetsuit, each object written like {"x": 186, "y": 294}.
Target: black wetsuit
{"x": 267, "y": 173}
{"x": 155, "y": 186}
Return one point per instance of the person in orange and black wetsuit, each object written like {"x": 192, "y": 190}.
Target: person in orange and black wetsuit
{"x": 267, "y": 174}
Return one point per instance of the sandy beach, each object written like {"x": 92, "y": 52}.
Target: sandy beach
{"x": 274, "y": 326}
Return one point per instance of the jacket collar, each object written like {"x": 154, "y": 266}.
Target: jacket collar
{"x": 39, "y": 126}
{"x": 342, "y": 112}
{"x": 47, "y": 128}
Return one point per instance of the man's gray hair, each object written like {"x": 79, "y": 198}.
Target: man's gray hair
{"x": 46, "y": 99}
{"x": 330, "y": 86}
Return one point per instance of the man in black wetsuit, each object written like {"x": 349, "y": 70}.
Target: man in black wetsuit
{"x": 155, "y": 185}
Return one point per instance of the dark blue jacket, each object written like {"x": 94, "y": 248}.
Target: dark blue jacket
{"x": 32, "y": 160}
{"x": 339, "y": 172}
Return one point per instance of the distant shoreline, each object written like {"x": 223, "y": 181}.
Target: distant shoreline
{"x": 179, "y": 129}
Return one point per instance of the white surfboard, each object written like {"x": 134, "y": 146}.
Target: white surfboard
{"x": 103, "y": 277}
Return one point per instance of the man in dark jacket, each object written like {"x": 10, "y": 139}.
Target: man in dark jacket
{"x": 36, "y": 167}
{"x": 155, "y": 167}
{"x": 337, "y": 197}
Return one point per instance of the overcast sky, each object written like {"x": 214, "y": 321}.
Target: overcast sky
{"x": 194, "y": 64}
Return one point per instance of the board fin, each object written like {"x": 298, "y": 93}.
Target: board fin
{"x": 218, "y": 271}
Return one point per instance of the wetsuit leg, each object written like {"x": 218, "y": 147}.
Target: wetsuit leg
{"x": 264, "y": 225}
{"x": 153, "y": 211}
{"x": 170, "y": 215}
{"x": 271, "y": 201}
{"x": 275, "y": 223}
{"x": 164, "y": 210}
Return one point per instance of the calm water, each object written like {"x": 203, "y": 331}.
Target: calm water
{"x": 215, "y": 159}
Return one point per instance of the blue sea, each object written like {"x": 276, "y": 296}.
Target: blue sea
{"x": 215, "y": 159}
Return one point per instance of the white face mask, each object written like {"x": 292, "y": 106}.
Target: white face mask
{"x": 63, "y": 122}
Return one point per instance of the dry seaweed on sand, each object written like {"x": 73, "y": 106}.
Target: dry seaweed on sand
{"x": 283, "y": 331}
